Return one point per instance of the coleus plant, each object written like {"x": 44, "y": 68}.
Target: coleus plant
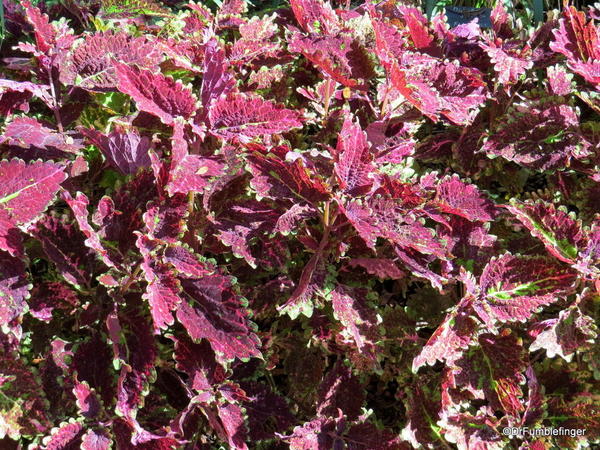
{"x": 327, "y": 225}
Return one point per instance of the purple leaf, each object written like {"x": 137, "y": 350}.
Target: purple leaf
{"x": 456, "y": 197}
{"x": 238, "y": 117}
{"x": 570, "y": 332}
{"x": 156, "y": 94}
{"x": 90, "y": 64}
{"x": 353, "y": 166}
{"x": 126, "y": 151}
{"x": 14, "y": 288}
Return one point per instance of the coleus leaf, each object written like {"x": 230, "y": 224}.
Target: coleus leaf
{"x": 359, "y": 320}
{"x": 315, "y": 16}
{"x": 570, "y": 332}
{"x": 63, "y": 244}
{"x": 578, "y": 39}
{"x": 588, "y": 259}
{"x": 510, "y": 62}
{"x": 79, "y": 206}
{"x": 91, "y": 362}
{"x": 470, "y": 242}
{"x": 239, "y": 118}
{"x": 268, "y": 413}
{"x": 435, "y": 87}
{"x": 190, "y": 173}
{"x": 87, "y": 401}
{"x": 456, "y": 197}
{"x": 165, "y": 220}
{"x": 340, "y": 389}
{"x": 126, "y": 151}
{"x": 353, "y": 166}
{"x": 561, "y": 234}
{"x": 515, "y": 287}
{"x": 49, "y": 296}
{"x": 24, "y": 410}
{"x": 423, "y": 409}
{"x": 90, "y": 64}
{"x": 473, "y": 431}
{"x": 336, "y": 432}
{"x": 199, "y": 363}
{"x": 67, "y": 435}
{"x": 163, "y": 289}
{"x": 256, "y": 41}
{"x": 216, "y": 80}
{"x": 380, "y": 267}
{"x": 208, "y": 377}
{"x": 155, "y": 93}
{"x": 276, "y": 178}
{"x": 311, "y": 282}
{"x": 417, "y": 26}
{"x": 8, "y": 87}
{"x": 536, "y": 401}
{"x": 493, "y": 371}
{"x": 240, "y": 223}
{"x": 211, "y": 309}
{"x": 120, "y": 215}
{"x": 537, "y": 136}
{"x": 51, "y": 39}
{"x": 96, "y": 440}
{"x": 25, "y": 192}
{"x": 451, "y": 338}
{"x": 14, "y": 288}
{"x": 40, "y": 141}
{"x": 137, "y": 370}
{"x": 291, "y": 219}
{"x": 340, "y": 57}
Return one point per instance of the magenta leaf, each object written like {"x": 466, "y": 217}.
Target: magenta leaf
{"x": 87, "y": 401}
{"x": 561, "y": 234}
{"x": 380, "y": 267}
{"x": 27, "y": 411}
{"x": 79, "y": 206}
{"x": 339, "y": 57}
{"x": 15, "y": 93}
{"x": 570, "y": 332}
{"x": 456, "y": 197}
{"x": 242, "y": 223}
{"x": 126, "y": 151}
{"x": 239, "y": 118}
{"x": 25, "y": 192}
{"x": 29, "y": 139}
{"x": 275, "y": 177}
{"x": 359, "y": 320}
{"x": 210, "y": 308}
{"x": 450, "y": 339}
{"x": 493, "y": 371}
{"x": 155, "y": 93}
{"x": 513, "y": 288}
{"x": 539, "y": 137}
{"x": 578, "y": 39}
{"x": 340, "y": 389}
{"x": 163, "y": 289}
{"x": 14, "y": 288}
{"x": 216, "y": 80}
{"x": 50, "y": 296}
{"x": 96, "y": 440}
{"x": 315, "y": 15}
{"x": 165, "y": 220}
{"x": 90, "y": 64}
{"x": 67, "y": 435}
{"x": 353, "y": 167}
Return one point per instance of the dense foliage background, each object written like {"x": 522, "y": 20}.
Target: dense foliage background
{"x": 309, "y": 226}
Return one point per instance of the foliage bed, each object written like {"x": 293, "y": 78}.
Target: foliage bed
{"x": 320, "y": 226}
